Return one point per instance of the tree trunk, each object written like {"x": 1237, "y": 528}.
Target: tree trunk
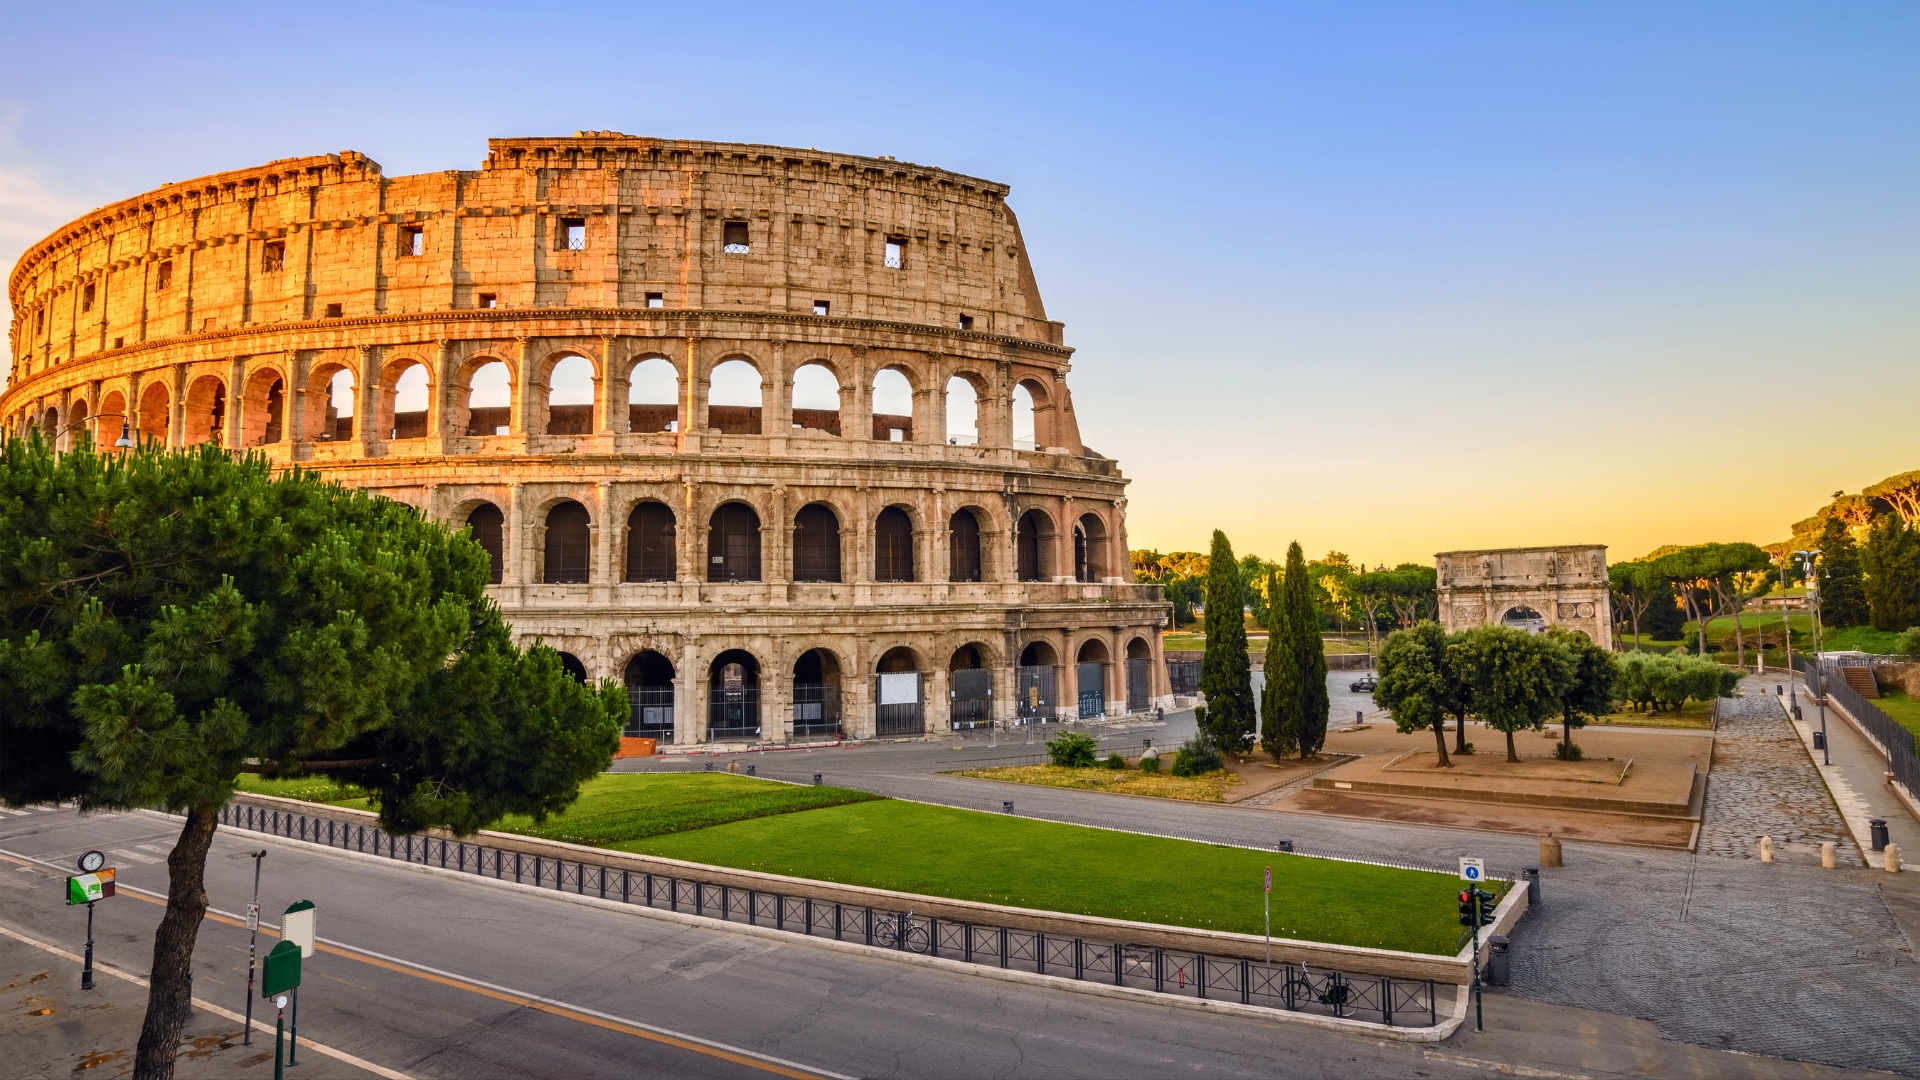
{"x": 1632, "y": 611}
{"x": 1460, "y": 735}
{"x": 1440, "y": 744}
{"x": 172, "y": 979}
{"x": 1512, "y": 754}
{"x": 1566, "y": 738}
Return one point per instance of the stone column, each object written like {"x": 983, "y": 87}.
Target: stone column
{"x": 293, "y": 415}
{"x": 235, "y": 435}
{"x": 522, "y": 414}
{"x": 440, "y": 401}
{"x": 366, "y": 409}
{"x": 856, "y": 397}
{"x": 776, "y": 543}
{"x": 177, "y": 407}
{"x": 776, "y": 392}
{"x": 600, "y": 572}
{"x": 1063, "y": 569}
{"x": 612, "y": 389}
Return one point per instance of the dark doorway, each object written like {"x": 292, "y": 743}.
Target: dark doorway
{"x": 568, "y": 529}
{"x": 650, "y": 543}
{"x": 1034, "y": 683}
{"x": 816, "y": 544}
{"x": 964, "y": 534}
{"x": 1139, "y": 675}
{"x": 1032, "y": 563}
{"x": 970, "y": 695}
{"x": 650, "y": 696}
{"x": 574, "y": 667}
{"x": 893, "y": 546}
{"x": 816, "y": 694}
{"x": 733, "y": 546}
{"x": 733, "y": 696}
{"x": 488, "y": 527}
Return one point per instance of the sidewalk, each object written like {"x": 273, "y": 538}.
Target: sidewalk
{"x": 1857, "y": 777}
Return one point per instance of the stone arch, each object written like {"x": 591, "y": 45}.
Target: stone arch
{"x": 568, "y": 374}
{"x": 111, "y": 420}
{"x": 1092, "y": 661}
{"x": 649, "y": 676}
{"x": 484, "y": 396}
{"x": 1038, "y": 652}
{"x": 76, "y": 424}
{"x": 814, "y": 385}
{"x": 50, "y": 423}
{"x": 1092, "y": 547}
{"x": 728, "y": 380}
{"x": 1033, "y": 546}
{"x": 733, "y": 695}
{"x": 330, "y": 385}
{"x": 816, "y": 543}
{"x": 964, "y": 393}
{"x": 1140, "y": 673}
{"x": 891, "y": 385}
{"x": 263, "y": 408}
{"x": 405, "y": 399}
{"x": 155, "y": 413}
{"x": 1138, "y": 649}
{"x": 652, "y": 541}
{"x": 966, "y": 546}
{"x": 1093, "y": 651}
{"x": 819, "y": 683}
{"x": 203, "y": 412}
{"x": 488, "y": 527}
{"x": 567, "y": 549}
{"x": 1028, "y": 395}
{"x": 653, "y": 395}
{"x": 893, "y": 534}
{"x": 733, "y": 542}
{"x": 1524, "y": 617}
{"x": 573, "y": 666}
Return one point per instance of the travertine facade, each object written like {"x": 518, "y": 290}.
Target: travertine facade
{"x": 751, "y": 571}
{"x": 1529, "y": 588}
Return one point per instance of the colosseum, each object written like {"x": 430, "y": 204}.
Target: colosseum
{"x": 780, "y": 438}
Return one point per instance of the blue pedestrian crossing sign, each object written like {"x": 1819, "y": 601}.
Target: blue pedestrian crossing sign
{"x": 1472, "y": 869}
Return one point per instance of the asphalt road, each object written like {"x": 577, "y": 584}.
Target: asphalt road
{"x": 439, "y": 977}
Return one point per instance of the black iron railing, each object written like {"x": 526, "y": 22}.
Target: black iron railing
{"x": 1296, "y": 988}
{"x": 1824, "y": 680}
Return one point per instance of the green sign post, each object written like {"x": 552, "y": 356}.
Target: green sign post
{"x": 279, "y": 973}
{"x": 93, "y": 884}
{"x": 296, "y": 926}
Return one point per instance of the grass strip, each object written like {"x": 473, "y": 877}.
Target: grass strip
{"x": 1209, "y": 788}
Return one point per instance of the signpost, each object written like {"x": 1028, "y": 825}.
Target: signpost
{"x": 1266, "y": 913}
{"x": 278, "y": 974}
{"x": 296, "y": 928}
{"x": 253, "y": 935}
{"x": 1474, "y": 913}
{"x": 94, "y": 883}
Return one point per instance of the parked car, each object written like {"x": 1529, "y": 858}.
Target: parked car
{"x": 1365, "y": 684}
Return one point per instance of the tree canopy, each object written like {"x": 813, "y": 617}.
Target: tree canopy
{"x": 1518, "y": 678}
{"x": 1413, "y": 683}
{"x": 1226, "y": 673}
{"x": 1891, "y": 560}
{"x": 1843, "y": 596}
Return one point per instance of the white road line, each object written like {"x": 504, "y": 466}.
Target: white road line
{"x": 134, "y": 855}
{"x": 1504, "y": 1068}
{"x": 161, "y": 850}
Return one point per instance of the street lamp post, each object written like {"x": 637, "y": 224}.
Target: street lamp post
{"x": 124, "y": 442}
{"x": 1813, "y": 593}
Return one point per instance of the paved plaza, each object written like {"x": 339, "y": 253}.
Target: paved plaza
{"x": 1763, "y": 783}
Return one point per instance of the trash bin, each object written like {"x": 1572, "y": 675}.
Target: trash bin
{"x": 1819, "y": 740}
{"x": 1007, "y": 806}
{"x": 1284, "y": 845}
{"x": 816, "y": 779}
{"x": 1877, "y": 829}
{"x": 1533, "y": 886}
{"x": 1499, "y": 958}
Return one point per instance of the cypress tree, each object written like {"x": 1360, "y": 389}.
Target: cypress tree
{"x": 1891, "y": 559}
{"x": 1226, "y": 672}
{"x": 1309, "y": 656}
{"x": 1279, "y": 694}
{"x": 1843, "y": 598}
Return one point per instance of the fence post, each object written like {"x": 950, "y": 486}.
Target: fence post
{"x": 1159, "y": 970}
{"x": 1119, "y": 955}
{"x": 1246, "y": 982}
{"x": 1433, "y": 1008}
{"x": 1003, "y": 946}
{"x": 836, "y": 920}
{"x": 1386, "y": 1000}
{"x": 626, "y": 886}
{"x": 1040, "y": 950}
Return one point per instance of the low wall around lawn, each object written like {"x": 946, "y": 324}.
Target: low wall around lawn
{"x": 1455, "y": 969}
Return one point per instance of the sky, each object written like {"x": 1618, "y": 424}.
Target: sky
{"x": 1390, "y": 279}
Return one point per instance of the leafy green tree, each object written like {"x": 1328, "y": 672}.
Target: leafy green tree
{"x": 1589, "y": 693}
{"x": 1412, "y": 589}
{"x": 1664, "y": 620}
{"x": 1891, "y": 559}
{"x": 1902, "y": 493}
{"x": 1309, "y": 656}
{"x": 1226, "y": 671}
{"x": 1072, "y": 750}
{"x": 1843, "y": 597}
{"x": 1632, "y": 593}
{"x": 1656, "y": 682}
{"x": 168, "y": 618}
{"x": 1412, "y": 685}
{"x": 1519, "y": 679}
{"x": 1279, "y": 690}
{"x": 1369, "y": 590}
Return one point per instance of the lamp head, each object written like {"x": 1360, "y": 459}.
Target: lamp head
{"x": 125, "y": 441}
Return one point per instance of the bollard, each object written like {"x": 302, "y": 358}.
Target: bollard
{"x": 1533, "y": 886}
{"x": 1779, "y": 691}
{"x": 1499, "y": 950}
{"x": 1893, "y": 858}
{"x": 1827, "y": 858}
{"x": 1877, "y": 832}
{"x": 816, "y": 779}
{"x": 1766, "y": 849}
{"x": 1550, "y": 852}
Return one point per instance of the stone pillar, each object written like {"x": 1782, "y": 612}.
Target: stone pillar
{"x": 366, "y": 408}
{"x": 177, "y": 408}
{"x": 776, "y": 392}
{"x": 610, "y": 390}
{"x": 856, "y": 398}
{"x": 690, "y": 540}
{"x": 440, "y": 400}
{"x": 776, "y": 543}
{"x": 930, "y": 418}
{"x": 600, "y": 570}
{"x": 522, "y": 414}
{"x": 1063, "y": 541}
{"x": 234, "y": 435}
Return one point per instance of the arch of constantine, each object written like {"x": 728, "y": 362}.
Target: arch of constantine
{"x": 1527, "y": 588}
{"x": 780, "y": 438}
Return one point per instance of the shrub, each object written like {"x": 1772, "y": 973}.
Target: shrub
{"x": 1150, "y": 765}
{"x": 1567, "y": 751}
{"x": 1116, "y": 762}
{"x": 1072, "y": 750}
{"x": 1198, "y": 756}
{"x": 1909, "y": 643}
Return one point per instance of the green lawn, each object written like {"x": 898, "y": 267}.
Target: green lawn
{"x": 993, "y": 858}
{"x": 1901, "y": 709}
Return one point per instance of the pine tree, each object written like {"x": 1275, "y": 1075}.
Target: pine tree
{"x": 1664, "y": 621}
{"x": 1891, "y": 559}
{"x": 1843, "y": 598}
{"x": 1279, "y": 693}
{"x": 1226, "y": 672}
{"x": 1309, "y": 656}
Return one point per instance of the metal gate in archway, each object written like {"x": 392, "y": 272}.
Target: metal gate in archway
{"x": 971, "y": 698}
{"x": 901, "y": 709}
{"x": 1139, "y": 683}
{"x": 1091, "y": 679}
{"x": 1034, "y": 694}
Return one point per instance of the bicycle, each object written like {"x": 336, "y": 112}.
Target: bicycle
{"x": 901, "y": 932}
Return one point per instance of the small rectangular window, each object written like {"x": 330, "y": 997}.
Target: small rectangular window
{"x": 574, "y": 231}
{"x": 896, "y": 253}
{"x": 209, "y": 325}
{"x": 86, "y": 297}
{"x": 164, "y": 276}
{"x": 413, "y": 241}
{"x": 821, "y": 307}
{"x": 273, "y": 257}
{"x": 655, "y": 299}
{"x": 734, "y": 238}
{"x": 488, "y": 300}
{"x": 119, "y": 343}
{"x": 966, "y": 322}
{"x": 333, "y": 311}
{"x": 40, "y": 321}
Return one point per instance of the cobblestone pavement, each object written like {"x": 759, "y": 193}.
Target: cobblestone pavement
{"x": 1762, "y": 783}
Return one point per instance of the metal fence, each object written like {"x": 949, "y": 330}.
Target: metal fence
{"x": 1184, "y": 676}
{"x": 1823, "y": 680}
{"x": 1297, "y": 988}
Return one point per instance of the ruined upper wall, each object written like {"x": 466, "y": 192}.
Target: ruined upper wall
{"x": 316, "y": 237}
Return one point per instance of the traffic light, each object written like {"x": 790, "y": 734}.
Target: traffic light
{"x": 1476, "y": 907}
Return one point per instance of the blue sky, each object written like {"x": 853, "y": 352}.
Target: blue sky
{"x": 1385, "y": 278}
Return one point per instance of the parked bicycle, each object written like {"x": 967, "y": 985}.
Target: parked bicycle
{"x": 900, "y": 932}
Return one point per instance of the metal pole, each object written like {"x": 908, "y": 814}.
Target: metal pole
{"x": 280, "y": 1039}
{"x": 293, "y": 1033}
{"x": 86, "y": 973}
{"x": 253, "y": 935}
{"x": 1479, "y": 1020}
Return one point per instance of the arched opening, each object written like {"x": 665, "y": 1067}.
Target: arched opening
{"x": 334, "y": 422}
{"x": 1024, "y": 419}
{"x": 969, "y": 689}
{"x": 1090, "y": 549}
{"x": 1033, "y": 546}
{"x": 574, "y": 667}
{"x": 488, "y": 526}
{"x": 733, "y": 399}
{"x": 650, "y": 543}
{"x": 816, "y": 543}
{"x": 963, "y": 546}
{"x": 816, "y": 399}
{"x": 899, "y": 701}
{"x": 403, "y": 402}
{"x": 1034, "y": 683}
{"x": 49, "y": 424}
{"x": 963, "y": 412}
{"x": 263, "y": 409}
{"x": 653, "y": 397}
{"x": 893, "y": 546}
{"x": 733, "y": 544}
{"x": 489, "y": 394}
{"x": 816, "y": 693}
{"x": 111, "y": 420}
{"x": 649, "y": 680}
{"x": 568, "y": 540}
{"x": 204, "y": 413}
{"x": 733, "y": 696}
{"x": 1139, "y": 675}
{"x": 570, "y": 397}
{"x": 892, "y": 407}
{"x": 155, "y": 407}
{"x": 1090, "y": 679}
{"x": 77, "y": 434}
{"x": 1524, "y": 618}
